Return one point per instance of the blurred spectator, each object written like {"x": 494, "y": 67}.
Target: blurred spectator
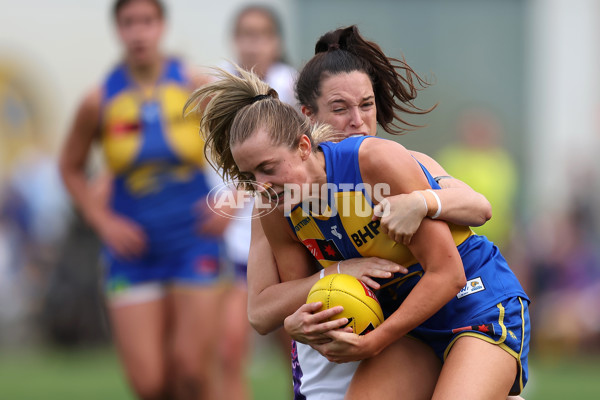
{"x": 564, "y": 274}
{"x": 480, "y": 161}
{"x": 257, "y": 40}
{"x": 33, "y": 204}
{"x": 34, "y": 219}
{"x": 74, "y": 312}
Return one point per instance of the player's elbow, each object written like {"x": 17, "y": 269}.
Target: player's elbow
{"x": 262, "y": 329}
{"x": 454, "y": 276}
{"x": 485, "y": 212}
{"x": 260, "y": 325}
{"x": 458, "y": 281}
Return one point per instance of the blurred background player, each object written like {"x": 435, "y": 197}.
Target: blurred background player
{"x": 161, "y": 271}
{"x": 257, "y": 42}
{"x": 480, "y": 134}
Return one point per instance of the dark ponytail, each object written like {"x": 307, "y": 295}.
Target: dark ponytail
{"x": 394, "y": 82}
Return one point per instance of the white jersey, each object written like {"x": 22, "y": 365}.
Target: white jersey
{"x": 281, "y": 77}
{"x": 315, "y": 378}
{"x": 237, "y": 234}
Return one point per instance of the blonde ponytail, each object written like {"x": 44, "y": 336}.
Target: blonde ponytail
{"x": 217, "y": 104}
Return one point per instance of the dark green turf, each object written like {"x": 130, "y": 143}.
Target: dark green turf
{"x": 95, "y": 375}
{"x": 564, "y": 378}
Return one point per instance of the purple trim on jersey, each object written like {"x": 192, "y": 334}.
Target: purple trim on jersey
{"x": 296, "y": 373}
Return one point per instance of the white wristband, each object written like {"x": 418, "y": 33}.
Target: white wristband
{"x": 338, "y": 267}
{"x": 322, "y": 274}
{"x": 439, "y": 204}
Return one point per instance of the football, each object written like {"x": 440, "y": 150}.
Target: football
{"x": 360, "y": 303}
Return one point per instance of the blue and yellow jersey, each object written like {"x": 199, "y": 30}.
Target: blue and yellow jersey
{"x": 155, "y": 155}
{"x": 345, "y": 230}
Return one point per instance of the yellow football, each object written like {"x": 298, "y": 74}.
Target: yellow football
{"x": 360, "y": 304}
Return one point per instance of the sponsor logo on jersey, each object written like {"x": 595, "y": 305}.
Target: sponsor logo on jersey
{"x": 323, "y": 249}
{"x": 301, "y": 224}
{"x": 472, "y": 286}
{"x": 335, "y": 232}
{"x": 366, "y": 233}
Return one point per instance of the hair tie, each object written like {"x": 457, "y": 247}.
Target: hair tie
{"x": 334, "y": 46}
{"x": 259, "y": 98}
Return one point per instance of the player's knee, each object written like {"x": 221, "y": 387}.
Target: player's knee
{"x": 148, "y": 388}
{"x": 148, "y": 380}
{"x": 235, "y": 348}
{"x": 188, "y": 365}
{"x": 233, "y": 356}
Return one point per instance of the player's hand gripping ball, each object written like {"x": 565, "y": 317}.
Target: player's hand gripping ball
{"x": 360, "y": 304}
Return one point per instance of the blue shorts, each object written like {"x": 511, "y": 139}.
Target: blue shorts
{"x": 196, "y": 265}
{"x": 505, "y": 325}
{"x": 492, "y": 300}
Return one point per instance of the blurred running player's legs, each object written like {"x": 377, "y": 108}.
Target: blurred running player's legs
{"x": 193, "y": 353}
{"x": 235, "y": 343}
{"x": 166, "y": 344}
{"x": 139, "y": 331}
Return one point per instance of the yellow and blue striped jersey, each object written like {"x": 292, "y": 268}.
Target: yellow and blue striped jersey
{"x": 346, "y": 231}
{"x": 155, "y": 155}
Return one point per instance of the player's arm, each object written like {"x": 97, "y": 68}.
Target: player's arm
{"x": 275, "y": 292}
{"x": 270, "y": 300}
{"x": 432, "y": 245}
{"x": 401, "y": 215}
{"x": 461, "y": 205}
{"x": 74, "y": 155}
{"x": 122, "y": 235}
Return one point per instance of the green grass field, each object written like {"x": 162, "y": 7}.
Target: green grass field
{"x": 96, "y": 375}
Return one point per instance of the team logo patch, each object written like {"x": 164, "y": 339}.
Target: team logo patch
{"x": 472, "y": 286}
{"x": 323, "y": 249}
